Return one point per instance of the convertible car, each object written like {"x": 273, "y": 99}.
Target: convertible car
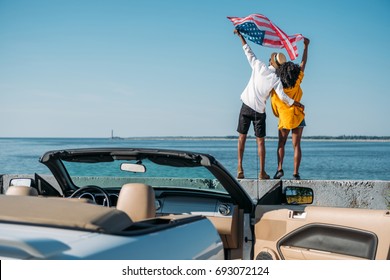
{"x": 116, "y": 203}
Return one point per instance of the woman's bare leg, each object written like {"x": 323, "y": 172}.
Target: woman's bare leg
{"x": 296, "y": 142}
{"x": 283, "y": 134}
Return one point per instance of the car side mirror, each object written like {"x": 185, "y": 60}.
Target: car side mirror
{"x": 299, "y": 195}
{"x": 27, "y": 182}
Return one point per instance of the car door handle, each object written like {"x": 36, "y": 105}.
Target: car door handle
{"x": 297, "y": 214}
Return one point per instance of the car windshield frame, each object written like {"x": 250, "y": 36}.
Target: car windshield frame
{"x": 54, "y": 161}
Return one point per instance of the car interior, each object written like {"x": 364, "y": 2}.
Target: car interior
{"x": 290, "y": 232}
{"x": 144, "y": 207}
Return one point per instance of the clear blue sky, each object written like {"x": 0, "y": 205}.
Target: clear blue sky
{"x": 174, "y": 68}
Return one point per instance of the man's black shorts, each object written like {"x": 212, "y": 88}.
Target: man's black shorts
{"x": 248, "y": 115}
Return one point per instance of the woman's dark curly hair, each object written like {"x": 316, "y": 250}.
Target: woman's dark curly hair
{"x": 288, "y": 73}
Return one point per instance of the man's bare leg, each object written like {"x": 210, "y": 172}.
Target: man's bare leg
{"x": 241, "y": 148}
{"x": 261, "y": 152}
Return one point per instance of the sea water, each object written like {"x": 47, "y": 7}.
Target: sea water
{"x": 321, "y": 159}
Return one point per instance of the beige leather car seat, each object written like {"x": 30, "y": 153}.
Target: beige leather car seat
{"x": 138, "y": 201}
{"x": 21, "y": 190}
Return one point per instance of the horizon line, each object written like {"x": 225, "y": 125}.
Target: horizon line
{"x": 342, "y": 137}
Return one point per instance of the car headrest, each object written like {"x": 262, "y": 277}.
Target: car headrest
{"x": 138, "y": 201}
{"x": 21, "y": 190}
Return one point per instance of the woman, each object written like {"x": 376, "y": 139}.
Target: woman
{"x": 290, "y": 118}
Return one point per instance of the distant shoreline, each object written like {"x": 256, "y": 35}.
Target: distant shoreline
{"x": 268, "y": 138}
{"x": 219, "y": 138}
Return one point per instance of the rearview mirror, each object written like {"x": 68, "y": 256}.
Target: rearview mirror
{"x": 133, "y": 167}
{"x": 299, "y": 195}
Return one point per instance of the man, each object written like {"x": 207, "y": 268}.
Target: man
{"x": 263, "y": 79}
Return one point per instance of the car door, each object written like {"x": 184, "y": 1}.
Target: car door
{"x": 301, "y": 232}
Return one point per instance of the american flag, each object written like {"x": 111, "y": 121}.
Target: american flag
{"x": 260, "y": 30}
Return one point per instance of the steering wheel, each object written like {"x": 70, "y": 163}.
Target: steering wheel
{"x": 92, "y": 188}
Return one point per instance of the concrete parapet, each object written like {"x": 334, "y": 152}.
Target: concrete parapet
{"x": 338, "y": 193}
{"x": 333, "y": 193}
